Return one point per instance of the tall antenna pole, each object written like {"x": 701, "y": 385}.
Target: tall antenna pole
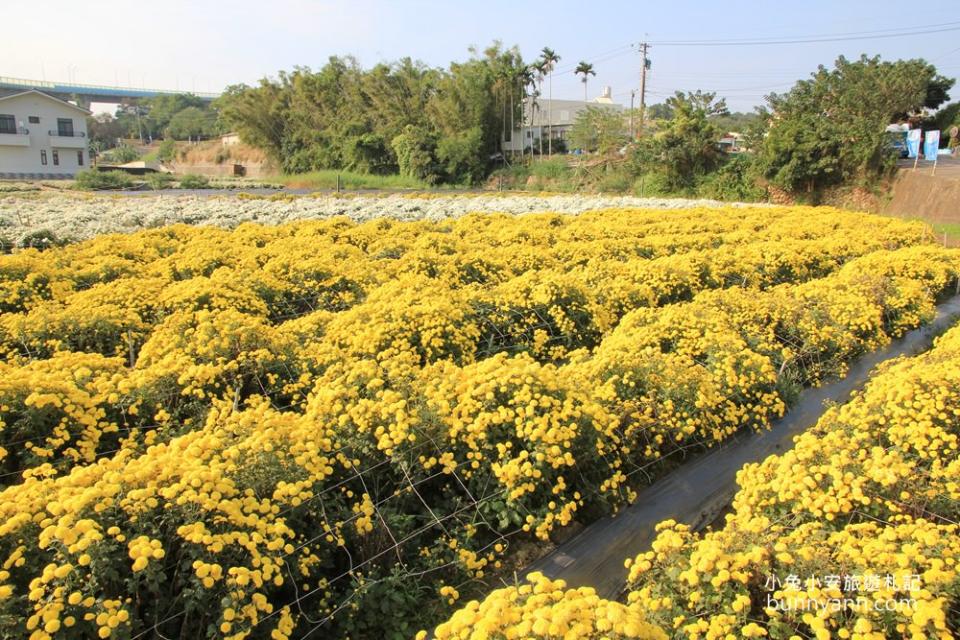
{"x": 644, "y": 63}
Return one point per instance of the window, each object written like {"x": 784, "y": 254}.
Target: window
{"x": 56, "y": 158}
{"x": 34, "y": 119}
{"x": 43, "y": 157}
{"x": 8, "y": 124}
{"x": 80, "y": 158}
{"x": 64, "y": 128}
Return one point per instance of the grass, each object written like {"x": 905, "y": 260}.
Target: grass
{"x": 327, "y": 179}
{"x": 950, "y": 229}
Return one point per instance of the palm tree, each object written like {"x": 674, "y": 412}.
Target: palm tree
{"x": 527, "y": 79}
{"x": 541, "y": 68}
{"x": 585, "y": 69}
{"x": 549, "y": 60}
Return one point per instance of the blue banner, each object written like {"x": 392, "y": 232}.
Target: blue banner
{"x": 931, "y": 143}
{"x": 913, "y": 142}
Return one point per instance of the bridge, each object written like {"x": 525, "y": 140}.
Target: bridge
{"x": 85, "y": 94}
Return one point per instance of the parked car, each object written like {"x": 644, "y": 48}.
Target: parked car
{"x": 898, "y": 142}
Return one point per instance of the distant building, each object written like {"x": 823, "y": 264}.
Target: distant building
{"x": 542, "y": 115}
{"x": 230, "y": 139}
{"x": 41, "y": 136}
{"x": 732, "y": 142}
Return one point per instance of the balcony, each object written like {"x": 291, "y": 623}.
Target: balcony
{"x": 19, "y": 139}
{"x": 68, "y": 139}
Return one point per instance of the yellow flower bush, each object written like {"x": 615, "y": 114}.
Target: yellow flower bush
{"x": 345, "y": 427}
{"x": 862, "y": 512}
{"x": 546, "y": 609}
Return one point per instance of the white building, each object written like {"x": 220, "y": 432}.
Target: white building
{"x": 543, "y": 117}
{"x": 41, "y": 137}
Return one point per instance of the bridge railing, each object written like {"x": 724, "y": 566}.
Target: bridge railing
{"x": 71, "y": 87}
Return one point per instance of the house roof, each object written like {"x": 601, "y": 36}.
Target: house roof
{"x": 550, "y": 112}
{"x": 47, "y": 96}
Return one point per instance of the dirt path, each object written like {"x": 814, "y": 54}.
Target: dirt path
{"x": 698, "y": 491}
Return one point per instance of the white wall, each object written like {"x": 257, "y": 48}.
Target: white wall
{"x": 26, "y": 159}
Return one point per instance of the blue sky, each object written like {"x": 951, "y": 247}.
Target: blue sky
{"x": 204, "y": 45}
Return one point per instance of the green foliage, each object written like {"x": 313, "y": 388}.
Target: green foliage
{"x": 103, "y": 131}
{"x": 121, "y": 154}
{"x": 948, "y": 116}
{"x": 192, "y": 123}
{"x": 616, "y": 180}
{"x": 551, "y": 169}
{"x": 734, "y": 121}
{"x": 193, "y": 181}
{"x": 651, "y": 185}
{"x": 446, "y": 124}
{"x": 349, "y": 180}
{"x": 162, "y": 109}
{"x": 735, "y": 180}
{"x": 168, "y": 150}
{"x": 40, "y": 239}
{"x": 160, "y": 180}
{"x": 830, "y": 129}
{"x": 684, "y": 149}
{"x": 600, "y": 130}
{"x": 415, "y": 149}
{"x": 661, "y": 111}
{"x": 92, "y": 180}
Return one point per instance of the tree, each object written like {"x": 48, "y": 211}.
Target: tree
{"x": 584, "y": 69}
{"x": 104, "y": 130}
{"x": 191, "y": 123}
{"x": 830, "y": 129}
{"x": 685, "y": 148}
{"x": 660, "y": 111}
{"x": 540, "y": 67}
{"x": 527, "y": 81}
{"x": 416, "y": 154}
{"x": 159, "y": 111}
{"x": 464, "y": 112}
{"x": 258, "y": 114}
{"x": 598, "y": 129}
{"x": 438, "y": 124}
{"x": 549, "y": 59}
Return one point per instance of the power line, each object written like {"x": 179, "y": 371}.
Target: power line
{"x": 836, "y": 37}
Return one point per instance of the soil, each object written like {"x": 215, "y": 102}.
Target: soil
{"x": 919, "y": 195}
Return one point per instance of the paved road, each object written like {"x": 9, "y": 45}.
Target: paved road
{"x": 699, "y": 490}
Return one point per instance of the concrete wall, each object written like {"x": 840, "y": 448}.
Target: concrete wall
{"x": 920, "y": 195}
{"x": 219, "y": 170}
{"x": 20, "y": 154}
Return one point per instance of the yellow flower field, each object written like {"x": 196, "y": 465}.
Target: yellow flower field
{"x": 337, "y": 429}
{"x": 851, "y": 534}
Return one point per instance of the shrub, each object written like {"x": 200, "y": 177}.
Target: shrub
{"x": 651, "y": 185}
{"x": 40, "y": 239}
{"x": 121, "y": 154}
{"x": 618, "y": 181}
{"x": 553, "y": 169}
{"x": 734, "y": 180}
{"x": 168, "y": 150}
{"x": 93, "y": 180}
{"x": 416, "y": 154}
{"x": 160, "y": 180}
{"x": 193, "y": 181}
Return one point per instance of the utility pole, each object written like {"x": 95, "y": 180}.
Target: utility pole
{"x": 644, "y": 64}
